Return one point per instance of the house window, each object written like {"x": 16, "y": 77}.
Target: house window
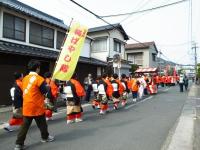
{"x": 14, "y": 27}
{"x": 153, "y": 57}
{"x": 117, "y": 46}
{"x": 99, "y": 44}
{"x": 136, "y": 59}
{"x": 41, "y": 35}
{"x": 60, "y": 38}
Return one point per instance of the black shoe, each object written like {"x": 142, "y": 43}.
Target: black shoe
{"x": 93, "y": 106}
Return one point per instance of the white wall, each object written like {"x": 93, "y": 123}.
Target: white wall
{"x": 102, "y": 55}
{"x": 115, "y": 34}
{"x": 85, "y": 51}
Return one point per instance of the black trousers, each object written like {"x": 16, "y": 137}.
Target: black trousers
{"x": 41, "y": 124}
{"x": 88, "y": 93}
{"x": 181, "y": 87}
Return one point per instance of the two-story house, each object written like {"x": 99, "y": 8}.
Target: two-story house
{"x": 142, "y": 54}
{"x": 107, "y": 41}
{"x": 27, "y": 33}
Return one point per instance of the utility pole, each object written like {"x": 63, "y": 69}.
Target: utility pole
{"x": 195, "y": 59}
{"x": 159, "y": 63}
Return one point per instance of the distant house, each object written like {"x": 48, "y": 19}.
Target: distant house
{"x": 108, "y": 41}
{"x": 142, "y": 54}
{"x": 27, "y": 33}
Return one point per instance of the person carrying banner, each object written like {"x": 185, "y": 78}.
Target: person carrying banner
{"x": 34, "y": 90}
{"x": 16, "y": 94}
{"x": 74, "y": 92}
{"x": 124, "y": 82}
{"x": 105, "y": 92}
{"x": 118, "y": 90}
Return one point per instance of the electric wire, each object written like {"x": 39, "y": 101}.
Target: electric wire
{"x": 145, "y": 10}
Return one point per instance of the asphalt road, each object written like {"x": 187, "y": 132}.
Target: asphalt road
{"x": 141, "y": 126}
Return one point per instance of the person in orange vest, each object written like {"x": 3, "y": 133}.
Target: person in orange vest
{"x": 125, "y": 83}
{"x": 51, "y": 106}
{"x": 134, "y": 86}
{"x": 16, "y": 94}
{"x": 161, "y": 81}
{"x": 118, "y": 90}
{"x": 168, "y": 78}
{"x": 105, "y": 92}
{"x": 34, "y": 90}
{"x": 157, "y": 80}
{"x": 74, "y": 92}
{"x": 95, "y": 102}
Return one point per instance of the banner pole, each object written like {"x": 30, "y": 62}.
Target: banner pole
{"x": 62, "y": 46}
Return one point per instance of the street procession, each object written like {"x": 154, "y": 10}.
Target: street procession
{"x": 90, "y": 80}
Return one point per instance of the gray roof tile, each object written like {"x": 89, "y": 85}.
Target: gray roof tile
{"x": 110, "y": 27}
{"x": 30, "y": 11}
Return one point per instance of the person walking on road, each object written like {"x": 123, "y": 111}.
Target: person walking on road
{"x": 118, "y": 90}
{"x": 105, "y": 92}
{"x": 34, "y": 88}
{"x": 181, "y": 82}
{"x": 88, "y": 87}
{"x": 16, "y": 94}
{"x": 74, "y": 92}
{"x": 126, "y": 91}
{"x": 134, "y": 86}
{"x": 186, "y": 82}
{"x": 51, "y": 105}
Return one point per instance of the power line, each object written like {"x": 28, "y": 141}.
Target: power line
{"x": 145, "y": 10}
{"x": 146, "y": 3}
{"x": 107, "y": 21}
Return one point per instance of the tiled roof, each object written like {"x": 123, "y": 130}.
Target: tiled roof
{"x": 30, "y": 11}
{"x": 140, "y": 46}
{"x": 8, "y": 47}
{"x": 110, "y": 27}
{"x": 13, "y": 48}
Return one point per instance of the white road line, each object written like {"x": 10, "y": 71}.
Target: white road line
{"x": 150, "y": 97}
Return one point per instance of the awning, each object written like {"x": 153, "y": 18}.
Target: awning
{"x": 146, "y": 70}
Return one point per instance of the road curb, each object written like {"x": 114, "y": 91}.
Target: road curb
{"x": 181, "y": 136}
{"x": 5, "y": 109}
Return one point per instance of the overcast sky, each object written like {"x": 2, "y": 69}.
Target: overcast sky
{"x": 169, "y": 27}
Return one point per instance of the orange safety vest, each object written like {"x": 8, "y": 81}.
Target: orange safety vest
{"x": 79, "y": 88}
{"x": 53, "y": 86}
{"x": 134, "y": 86}
{"x": 33, "y": 99}
{"x": 109, "y": 90}
{"x": 121, "y": 87}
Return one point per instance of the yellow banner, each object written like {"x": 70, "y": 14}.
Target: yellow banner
{"x": 70, "y": 52}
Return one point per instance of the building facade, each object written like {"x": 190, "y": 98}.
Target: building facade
{"x": 108, "y": 41}
{"x": 27, "y": 33}
{"x": 142, "y": 54}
